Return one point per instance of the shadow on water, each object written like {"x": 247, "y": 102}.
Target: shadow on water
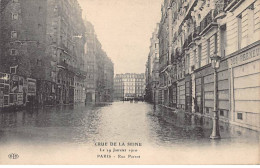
{"x": 171, "y": 127}
{"x": 61, "y": 123}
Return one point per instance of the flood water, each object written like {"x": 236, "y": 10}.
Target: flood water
{"x": 62, "y": 134}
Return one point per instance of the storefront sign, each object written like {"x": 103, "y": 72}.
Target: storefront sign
{"x": 244, "y": 57}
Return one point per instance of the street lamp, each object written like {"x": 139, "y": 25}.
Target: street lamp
{"x": 215, "y": 62}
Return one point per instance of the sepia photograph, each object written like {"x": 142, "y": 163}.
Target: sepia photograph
{"x": 129, "y": 82}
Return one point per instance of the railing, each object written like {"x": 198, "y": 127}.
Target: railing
{"x": 63, "y": 64}
{"x": 210, "y": 17}
{"x": 178, "y": 52}
{"x": 189, "y": 39}
{"x": 220, "y": 6}
{"x": 196, "y": 32}
{"x": 228, "y": 2}
{"x": 206, "y": 21}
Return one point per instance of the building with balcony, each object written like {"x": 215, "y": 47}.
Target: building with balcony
{"x": 129, "y": 86}
{"x": 108, "y": 79}
{"x": 90, "y": 65}
{"x": 243, "y": 62}
{"x": 45, "y": 40}
{"x": 152, "y": 69}
{"x": 99, "y": 69}
{"x": 200, "y": 30}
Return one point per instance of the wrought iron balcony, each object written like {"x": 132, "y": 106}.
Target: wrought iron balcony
{"x": 229, "y": 2}
{"x": 206, "y": 21}
{"x": 196, "y": 32}
{"x": 210, "y": 18}
{"x": 62, "y": 64}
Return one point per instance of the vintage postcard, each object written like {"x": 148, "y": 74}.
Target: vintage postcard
{"x": 129, "y": 82}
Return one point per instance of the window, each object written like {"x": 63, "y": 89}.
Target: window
{"x": 251, "y": 21}
{"x": 39, "y": 62}
{"x": 223, "y": 40}
{"x": 240, "y": 116}
{"x": 208, "y": 50}
{"x": 39, "y": 26}
{"x": 239, "y": 30}
{"x": 156, "y": 46}
{"x": 13, "y": 34}
{"x": 13, "y": 70}
{"x": 199, "y": 55}
{"x": 194, "y": 57}
{"x": 221, "y": 112}
{"x": 14, "y": 16}
{"x": 215, "y": 43}
{"x": 187, "y": 63}
{"x": 207, "y": 110}
{"x": 13, "y": 52}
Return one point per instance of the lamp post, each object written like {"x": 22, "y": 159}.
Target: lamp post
{"x": 215, "y": 62}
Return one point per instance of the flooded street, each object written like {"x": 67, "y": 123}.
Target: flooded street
{"x": 78, "y": 129}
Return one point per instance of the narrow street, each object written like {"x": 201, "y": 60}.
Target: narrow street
{"x": 83, "y": 126}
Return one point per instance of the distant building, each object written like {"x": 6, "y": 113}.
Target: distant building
{"x": 128, "y": 85}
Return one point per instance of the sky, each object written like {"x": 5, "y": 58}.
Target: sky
{"x": 124, "y": 28}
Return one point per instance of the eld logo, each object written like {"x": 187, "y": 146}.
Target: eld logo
{"x": 13, "y": 156}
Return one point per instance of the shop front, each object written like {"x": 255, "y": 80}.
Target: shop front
{"x": 188, "y": 96}
{"x": 181, "y": 94}
{"x": 16, "y": 95}
{"x": 204, "y": 91}
{"x": 244, "y": 69}
{"x": 4, "y": 89}
{"x": 31, "y": 92}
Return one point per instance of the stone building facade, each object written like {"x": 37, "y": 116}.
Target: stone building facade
{"x": 90, "y": 67}
{"x": 108, "y": 80}
{"x": 243, "y": 62}
{"x": 190, "y": 33}
{"x": 45, "y": 40}
{"x": 99, "y": 68}
{"x": 152, "y": 68}
{"x": 129, "y": 86}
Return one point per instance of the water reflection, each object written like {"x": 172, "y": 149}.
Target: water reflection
{"x": 177, "y": 128}
{"x": 82, "y": 124}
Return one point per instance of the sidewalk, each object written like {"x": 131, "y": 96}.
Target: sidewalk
{"x": 175, "y": 110}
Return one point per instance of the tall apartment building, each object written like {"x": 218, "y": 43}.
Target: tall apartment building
{"x": 190, "y": 33}
{"x": 152, "y": 68}
{"x": 128, "y": 85}
{"x": 243, "y": 62}
{"x": 90, "y": 66}
{"x": 45, "y": 40}
{"x": 99, "y": 68}
{"x": 108, "y": 80}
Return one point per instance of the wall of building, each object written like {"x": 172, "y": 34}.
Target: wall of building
{"x": 45, "y": 40}
{"x": 129, "y": 85}
{"x": 201, "y": 30}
